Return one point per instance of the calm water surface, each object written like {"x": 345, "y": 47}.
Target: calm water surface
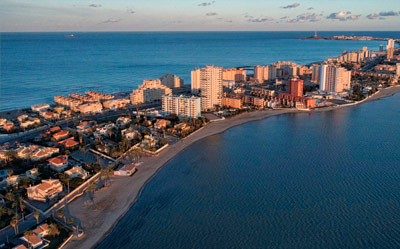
{"x": 317, "y": 180}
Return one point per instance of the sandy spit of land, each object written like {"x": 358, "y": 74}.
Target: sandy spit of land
{"x": 112, "y": 202}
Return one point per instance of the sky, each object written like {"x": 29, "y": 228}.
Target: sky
{"x": 201, "y": 15}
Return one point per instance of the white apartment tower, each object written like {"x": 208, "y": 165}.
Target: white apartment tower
{"x": 182, "y": 106}
{"x": 208, "y": 81}
{"x": 334, "y": 78}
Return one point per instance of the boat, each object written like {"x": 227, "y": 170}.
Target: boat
{"x": 70, "y": 35}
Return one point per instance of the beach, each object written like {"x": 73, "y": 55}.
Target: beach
{"x": 112, "y": 202}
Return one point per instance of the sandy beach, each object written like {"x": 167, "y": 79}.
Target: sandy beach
{"x": 111, "y": 203}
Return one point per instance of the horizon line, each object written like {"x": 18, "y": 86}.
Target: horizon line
{"x": 160, "y": 31}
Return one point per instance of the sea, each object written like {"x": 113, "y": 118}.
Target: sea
{"x": 327, "y": 180}
{"x": 306, "y": 180}
{"x": 35, "y": 67}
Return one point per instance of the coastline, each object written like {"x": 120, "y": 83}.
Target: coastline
{"x": 112, "y": 203}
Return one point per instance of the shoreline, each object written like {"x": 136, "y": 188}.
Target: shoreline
{"x": 113, "y": 202}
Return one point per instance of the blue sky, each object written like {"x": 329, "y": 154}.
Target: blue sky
{"x": 185, "y": 15}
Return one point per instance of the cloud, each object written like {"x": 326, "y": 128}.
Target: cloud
{"x": 353, "y": 17}
{"x": 284, "y": 17}
{"x": 372, "y": 16}
{"x": 262, "y": 19}
{"x": 389, "y": 13}
{"x": 130, "y": 11}
{"x": 246, "y": 15}
{"x": 342, "y": 15}
{"x": 295, "y": 5}
{"x": 311, "y": 8}
{"x": 211, "y": 14}
{"x": 205, "y": 4}
{"x": 112, "y": 20}
{"x": 93, "y": 5}
{"x": 305, "y": 17}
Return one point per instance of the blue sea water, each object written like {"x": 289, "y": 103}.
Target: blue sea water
{"x": 37, "y": 66}
{"x": 326, "y": 180}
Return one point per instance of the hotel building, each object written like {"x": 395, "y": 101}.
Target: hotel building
{"x": 390, "y": 49}
{"x": 149, "y": 91}
{"x": 208, "y": 81}
{"x": 334, "y": 78}
{"x": 182, "y": 106}
{"x": 234, "y": 74}
{"x": 171, "y": 81}
{"x": 295, "y": 87}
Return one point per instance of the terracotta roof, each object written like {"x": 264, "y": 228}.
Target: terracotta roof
{"x": 60, "y": 134}
{"x": 69, "y": 142}
{"x": 33, "y": 239}
{"x": 54, "y": 129}
{"x": 62, "y": 159}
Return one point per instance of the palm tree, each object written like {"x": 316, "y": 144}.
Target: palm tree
{"x": 70, "y": 221}
{"x": 28, "y": 234}
{"x": 53, "y": 230}
{"x": 36, "y": 215}
{"x": 60, "y": 213}
{"x": 21, "y": 207}
{"x": 14, "y": 224}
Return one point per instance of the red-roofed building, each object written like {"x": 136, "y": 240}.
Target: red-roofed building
{"x": 59, "y": 163}
{"x": 33, "y": 240}
{"x": 69, "y": 143}
{"x": 47, "y": 190}
{"x": 61, "y": 135}
{"x": 295, "y": 101}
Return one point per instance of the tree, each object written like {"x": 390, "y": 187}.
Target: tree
{"x": 21, "y": 207}
{"x": 60, "y": 213}
{"x": 14, "y": 224}
{"x": 53, "y": 230}
{"x": 70, "y": 220}
{"x": 36, "y": 214}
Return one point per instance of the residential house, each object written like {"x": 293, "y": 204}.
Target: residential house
{"x": 59, "y": 163}
{"x": 42, "y": 230}
{"x": 77, "y": 172}
{"x": 33, "y": 240}
{"x": 8, "y": 126}
{"x": 85, "y": 126}
{"x": 23, "y": 117}
{"x": 121, "y": 121}
{"x": 161, "y": 124}
{"x": 32, "y": 173}
{"x": 61, "y": 135}
{"x": 68, "y": 143}
{"x": 12, "y": 180}
{"x": 47, "y": 190}
{"x": 43, "y": 153}
{"x": 29, "y": 122}
{"x": 126, "y": 170}
{"x": 129, "y": 133}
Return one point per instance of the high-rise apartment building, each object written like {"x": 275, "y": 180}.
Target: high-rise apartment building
{"x": 295, "y": 87}
{"x": 261, "y": 74}
{"x": 182, "y": 106}
{"x": 398, "y": 69}
{"x": 234, "y": 74}
{"x": 149, "y": 91}
{"x": 390, "y": 49}
{"x": 315, "y": 73}
{"x": 208, "y": 81}
{"x": 195, "y": 84}
{"x": 334, "y": 78}
{"x": 171, "y": 81}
